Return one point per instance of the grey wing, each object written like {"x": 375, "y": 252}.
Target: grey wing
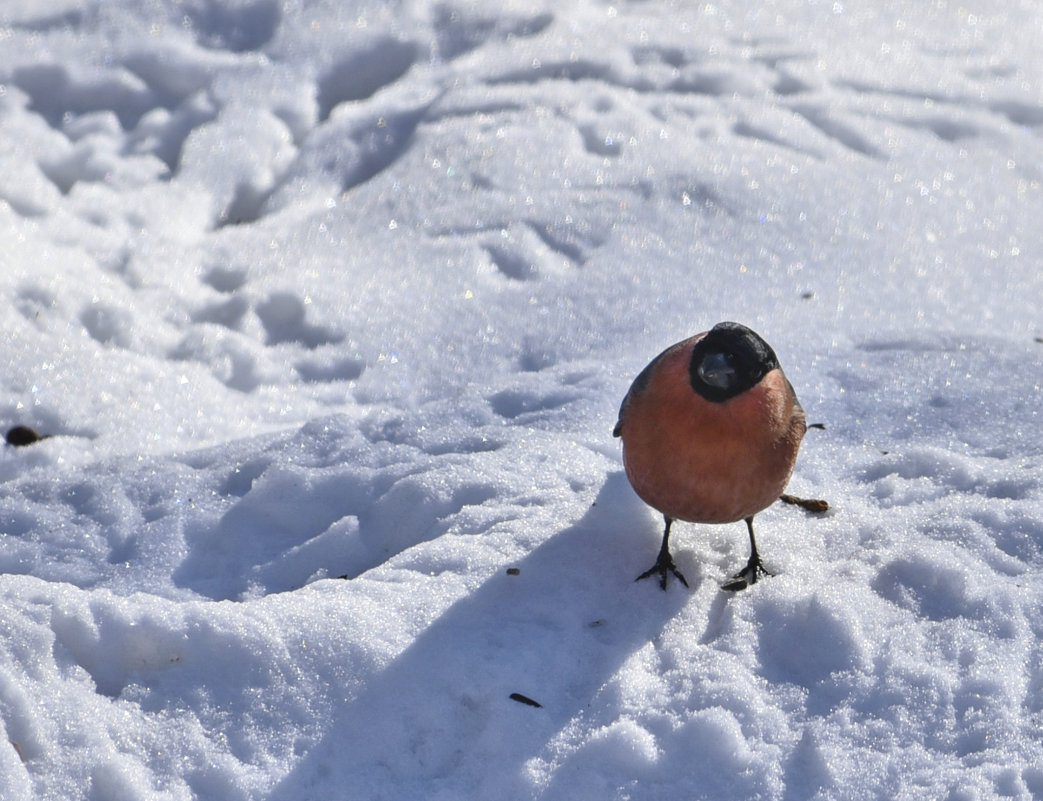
{"x": 798, "y": 410}
{"x": 793, "y": 394}
{"x": 636, "y": 388}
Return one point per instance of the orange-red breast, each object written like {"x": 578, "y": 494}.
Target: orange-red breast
{"x": 711, "y": 429}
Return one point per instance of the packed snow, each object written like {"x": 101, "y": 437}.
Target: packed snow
{"x": 323, "y": 312}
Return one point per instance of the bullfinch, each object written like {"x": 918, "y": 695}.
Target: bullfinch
{"x": 711, "y": 429}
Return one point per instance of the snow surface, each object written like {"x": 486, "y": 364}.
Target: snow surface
{"x": 311, "y": 289}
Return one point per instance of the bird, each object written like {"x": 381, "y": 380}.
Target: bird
{"x": 710, "y": 432}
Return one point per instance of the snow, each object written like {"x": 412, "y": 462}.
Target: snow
{"x": 325, "y": 310}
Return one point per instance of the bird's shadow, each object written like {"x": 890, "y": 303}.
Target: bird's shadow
{"x": 554, "y": 630}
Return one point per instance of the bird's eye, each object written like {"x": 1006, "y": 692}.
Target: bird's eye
{"x": 717, "y": 371}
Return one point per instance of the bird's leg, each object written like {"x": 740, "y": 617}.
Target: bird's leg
{"x": 664, "y": 564}
{"x": 753, "y": 570}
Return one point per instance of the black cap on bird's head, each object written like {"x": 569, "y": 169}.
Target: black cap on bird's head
{"x": 729, "y": 360}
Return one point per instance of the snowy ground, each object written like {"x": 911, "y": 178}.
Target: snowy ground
{"x": 302, "y": 290}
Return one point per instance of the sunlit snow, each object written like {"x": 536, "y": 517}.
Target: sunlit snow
{"x": 325, "y": 310}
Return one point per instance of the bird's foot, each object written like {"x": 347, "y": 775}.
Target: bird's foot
{"x": 663, "y": 567}
{"x": 750, "y": 574}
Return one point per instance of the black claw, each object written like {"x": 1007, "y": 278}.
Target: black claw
{"x": 663, "y": 568}
{"x": 750, "y": 574}
{"x": 664, "y": 564}
{"x": 753, "y": 571}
